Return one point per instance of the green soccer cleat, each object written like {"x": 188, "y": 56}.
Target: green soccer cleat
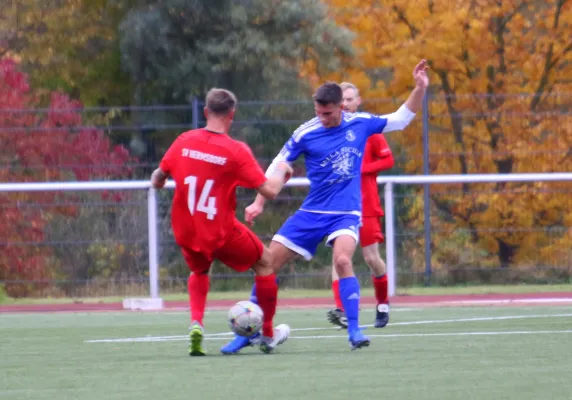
{"x": 196, "y": 335}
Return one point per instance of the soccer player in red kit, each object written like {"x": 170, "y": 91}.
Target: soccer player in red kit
{"x": 377, "y": 157}
{"x": 207, "y": 167}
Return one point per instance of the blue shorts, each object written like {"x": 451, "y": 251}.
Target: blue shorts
{"x": 303, "y": 231}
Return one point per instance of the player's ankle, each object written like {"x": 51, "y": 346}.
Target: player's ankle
{"x": 267, "y": 329}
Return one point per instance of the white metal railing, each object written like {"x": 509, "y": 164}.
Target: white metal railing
{"x": 389, "y": 181}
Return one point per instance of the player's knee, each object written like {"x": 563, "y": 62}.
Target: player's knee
{"x": 373, "y": 260}
{"x": 375, "y": 264}
{"x": 343, "y": 265}
{"x": 370, "y": 259}
{"x": 262, "y": 269}
{"x": 265, "y": 265}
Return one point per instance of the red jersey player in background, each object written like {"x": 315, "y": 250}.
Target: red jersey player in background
{"x": 207, "y": 166}
{"x": 377, "y": 157}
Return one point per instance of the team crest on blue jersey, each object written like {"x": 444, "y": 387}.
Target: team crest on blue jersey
{"x": 350, "y": 135}
{"x": 343, "y": 164}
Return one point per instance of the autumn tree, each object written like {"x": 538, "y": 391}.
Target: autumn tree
{"x": 69, "y": 45}
{"x": 52, "y": 145}
{"x": 499, "y": 71}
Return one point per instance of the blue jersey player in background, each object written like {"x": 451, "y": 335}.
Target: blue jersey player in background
{"x": 332, "y": 144}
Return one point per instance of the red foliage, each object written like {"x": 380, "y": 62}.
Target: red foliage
{"x": 47, "y": 145}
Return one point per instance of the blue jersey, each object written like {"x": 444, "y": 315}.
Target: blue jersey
{"x": 333, "y": 159}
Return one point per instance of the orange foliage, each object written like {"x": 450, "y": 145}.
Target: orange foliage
{"x": 483, "y": 55}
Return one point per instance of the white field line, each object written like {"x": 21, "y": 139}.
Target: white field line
{"x": 506, "y": 301}
{"x": 394, "y": 335}
{"x": 398, "y": 335}
{"x": 226, "y": 335}
{"x": 282, "y": 311}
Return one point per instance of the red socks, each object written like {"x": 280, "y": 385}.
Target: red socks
{"x": 198, "y": 286}
{"x": 267, "y": 295}
{"x": 336, "y": 291}
{"x": 380, "y": 288}
{"x": 379, "y": 285}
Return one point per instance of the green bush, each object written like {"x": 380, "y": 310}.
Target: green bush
{"x": 3, "y": 295}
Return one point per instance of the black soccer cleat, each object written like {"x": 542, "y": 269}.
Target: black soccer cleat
{"x": 338, "y": 317}
{"x": 381, "y": 315}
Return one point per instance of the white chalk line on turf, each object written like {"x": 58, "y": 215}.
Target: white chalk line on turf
{"x": 283, "y": 311}
{"x": 226, "y": 335}
{"x": 506, "y": 301}
{"x": 389, "y": 335}
{"x": 398, "y": 335}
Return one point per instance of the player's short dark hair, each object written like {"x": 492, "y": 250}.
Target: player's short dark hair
{"x": 220, "y": 101}
{"x": 329, "y": 93}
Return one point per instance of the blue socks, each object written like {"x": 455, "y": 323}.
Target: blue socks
{"x": 350, "y": 294}
{"x": 253, "y": 297}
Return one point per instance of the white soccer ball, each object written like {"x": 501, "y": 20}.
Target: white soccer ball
{"x": 245, "y": 318}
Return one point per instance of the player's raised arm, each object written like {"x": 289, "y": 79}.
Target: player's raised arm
{"x": 415, "y": 99}
{"x": 401, "y": 118}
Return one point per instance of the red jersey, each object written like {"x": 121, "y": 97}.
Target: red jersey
{"x": 207, "y": 167}
{"x": 377, "y": 157}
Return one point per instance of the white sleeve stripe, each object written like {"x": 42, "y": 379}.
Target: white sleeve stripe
{"x": 350, "y": 116}
{"x": 305, "y": 124}
{"x": 303, "y": 130}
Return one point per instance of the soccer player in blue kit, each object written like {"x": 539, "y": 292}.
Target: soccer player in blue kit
{"x": 332, "y": 144}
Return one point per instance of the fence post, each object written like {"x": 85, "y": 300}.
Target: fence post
{"x": 195, "y": 112}
{"x": 426, "y": 201}
{"x": 153, "y": 243}
{"x": 390, "y": 238}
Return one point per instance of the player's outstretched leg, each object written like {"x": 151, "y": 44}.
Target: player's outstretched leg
{"x": 263, "y": 288}
{"x": 240, "y": 342}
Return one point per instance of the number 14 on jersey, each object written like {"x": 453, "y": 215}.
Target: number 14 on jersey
{"x": 205, "y": 204}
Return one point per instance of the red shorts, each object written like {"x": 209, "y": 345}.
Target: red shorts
{"x": 241, "y": 250}
{"x": 370, "y": 231}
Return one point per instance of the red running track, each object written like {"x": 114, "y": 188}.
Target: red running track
{"x": 539, "y": 299}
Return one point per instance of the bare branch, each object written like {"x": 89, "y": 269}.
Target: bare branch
{"x": 549, "y": 63}
{"x": 401, "y": 15}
